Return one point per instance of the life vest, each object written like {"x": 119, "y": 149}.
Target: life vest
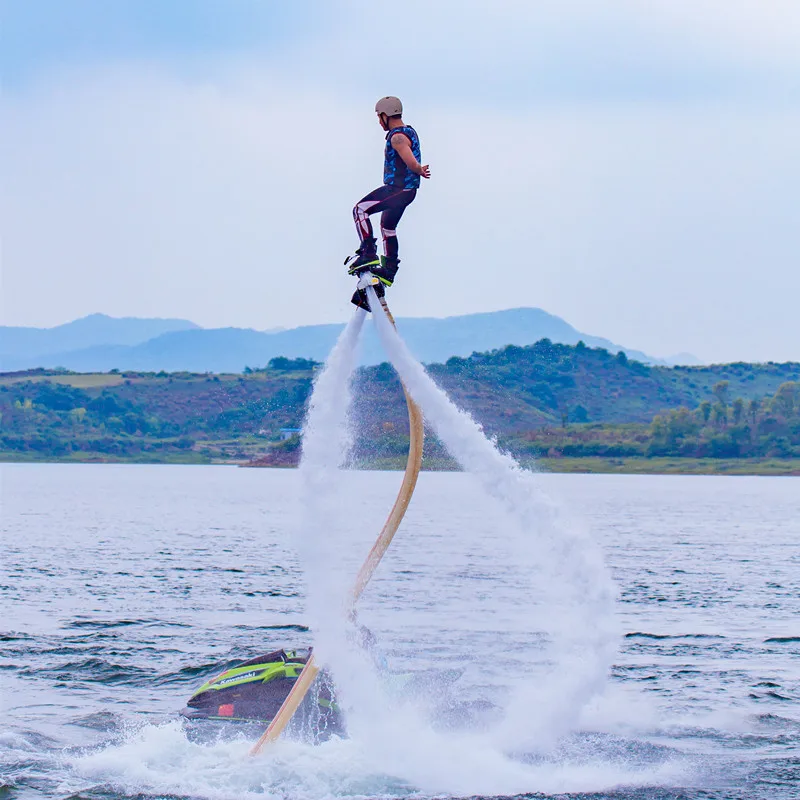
{"x": 395, "y": 171}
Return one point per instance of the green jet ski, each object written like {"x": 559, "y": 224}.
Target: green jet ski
{"x": 252, "y": 693}
{"x": 244, "y": 699}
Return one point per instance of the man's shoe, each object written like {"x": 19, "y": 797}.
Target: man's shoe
{"x": 387, "y": 271}
{"x": 365, "y": 257}
{"x": 360, "y": 262}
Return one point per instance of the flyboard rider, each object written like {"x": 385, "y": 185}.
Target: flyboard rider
{"x": 402, "y": 171}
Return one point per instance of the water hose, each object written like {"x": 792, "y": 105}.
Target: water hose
{"x": 413, "y": 466}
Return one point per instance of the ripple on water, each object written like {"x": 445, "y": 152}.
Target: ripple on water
{"x": 701, "y": 704}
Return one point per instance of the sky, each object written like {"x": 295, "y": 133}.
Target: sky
{"x": 631, "y": 167}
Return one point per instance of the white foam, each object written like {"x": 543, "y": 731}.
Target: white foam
{"x": 326, "y": 526}
{"x": 159, "y": 760}
{"x": 327, "y": 441}
{"x": 575, "y": 592}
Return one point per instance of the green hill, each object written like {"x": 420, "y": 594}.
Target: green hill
{"x": 540, "y": 399}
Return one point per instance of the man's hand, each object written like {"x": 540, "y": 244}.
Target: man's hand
{"x": 401, "y": 143}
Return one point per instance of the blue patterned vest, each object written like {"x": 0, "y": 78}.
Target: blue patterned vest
{"x": 395, "y": 171}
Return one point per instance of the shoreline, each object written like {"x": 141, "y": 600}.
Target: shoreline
{"x": 592, "y": 465}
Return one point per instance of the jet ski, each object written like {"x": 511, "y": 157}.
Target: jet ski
{"x": 252, "y": 693}
{"x": 243, "y": 700}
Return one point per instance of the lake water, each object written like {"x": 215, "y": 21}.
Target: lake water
{"x": 125, "y": 587}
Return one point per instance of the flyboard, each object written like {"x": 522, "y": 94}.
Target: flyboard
{"x": 413, "y": 464}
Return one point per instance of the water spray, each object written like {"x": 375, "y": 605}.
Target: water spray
{"x": 324, "y": 451}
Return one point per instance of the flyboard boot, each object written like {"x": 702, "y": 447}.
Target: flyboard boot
{"x": 366, "y": 257}
{"x": 387, "y": 271}
{"x": 359, "y": 265}
{"x": 371, "y": 271}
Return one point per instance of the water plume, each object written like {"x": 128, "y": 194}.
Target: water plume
{"x": 574, "y": 585}
{"x": 327, "y": 441}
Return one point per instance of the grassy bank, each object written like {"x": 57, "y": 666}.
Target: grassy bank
{"x": 621, "y": 466}
{"x": 674, "y": 466}
{"x": 631, "y": 466}
{"x": 78, "y": 457}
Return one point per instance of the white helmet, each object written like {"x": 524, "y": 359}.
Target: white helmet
{"x": 391, "y": 106}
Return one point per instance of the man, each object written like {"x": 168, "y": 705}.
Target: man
{"x": 402, "y": 171}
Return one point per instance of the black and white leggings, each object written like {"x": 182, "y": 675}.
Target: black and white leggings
{"x": 391, "y": 201}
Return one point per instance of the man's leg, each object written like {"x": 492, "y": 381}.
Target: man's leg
{"x": 390, "y": 218}
{"x": 371, "y": 204}
{"x": 386, "y": 199}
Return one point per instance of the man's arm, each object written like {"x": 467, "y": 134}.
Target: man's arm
{"x": 401, "y": 143}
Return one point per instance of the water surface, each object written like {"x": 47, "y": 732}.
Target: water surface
{"x": 125, "y": 587}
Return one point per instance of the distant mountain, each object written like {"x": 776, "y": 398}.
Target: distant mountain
{"x": 99, "y": 343}
{"x": 435, "y": 340}
{"x": 29, "y": 345}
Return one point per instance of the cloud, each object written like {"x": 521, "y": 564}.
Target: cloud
{"x": 514, "y": 53}
{"x": 509, "y": 50}
{"x": 131, "y": 188}
{"x": 44, "y": 34}
{"x": 657, "y": 219}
